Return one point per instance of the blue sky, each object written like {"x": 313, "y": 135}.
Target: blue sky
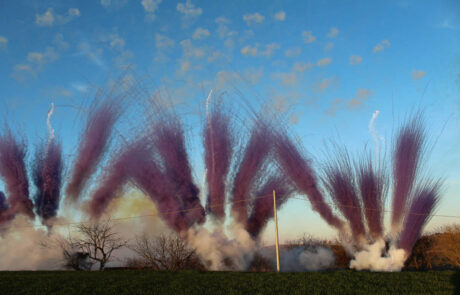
{"x": 326, "y": 66}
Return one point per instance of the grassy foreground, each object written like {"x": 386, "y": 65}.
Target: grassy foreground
{"x": 148, "y": 282}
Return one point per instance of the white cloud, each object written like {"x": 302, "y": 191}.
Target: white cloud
{"x": 188, "y": 9}
{"x": 361, "y": 96}
{"x": 162, "y": 41}
{"x": 355, "y": 60}
{"x": 59, "y": 41}
{"x": 325, "y": 84}
{"x": 381, "y": 46}
{"x": 328, "y": 46}
{"x": 50, "y": 18}
{"x": 21, "y": 71}
{"x": 302, "y": 66}
{"x": 280, "y": 15}
{"x": 35, "y": 63}
{"x": 418, "y": 74}
{"x": 200, "y": 34}
{"x": 308, "y": 37}
{"x": 286, "y": 79}
{"x": 293, "y": 52}
{"x": 332, "y": 110}
{"x": 324, "y": 62}
{"x": 3, "y": 43}
{"x": 184, "y": 66}
{"x": 190, "y": 51}
{"x": 45, "y": 19}
{"x": 255, "y": 51}
{"x": 333, "y": 32}
{"x": 150, "y": 8}
{"x": 253, "y": 75}
{"x": 116, "y": 4}
{"x": 41, "y": 58}
{"x": 255, "y": 18}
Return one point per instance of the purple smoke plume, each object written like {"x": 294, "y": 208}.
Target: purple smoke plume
{"x": 117, "y": 173}
{"x": 253, "y": 159}
{"x": 299, "y": 170}
{"x": 93, "y": 144}
{"x": 218, "y": 151}
{"x": 4, "y": 214}
{"x": 407, "y": 153}
{"x": 426, "y": 197}
{"x": 149, "y": 178}
{"x": 14, "y": 173}
{"x": 339, "y": 181}
{"x": 372, "y": 183}
{"x": 47, "y": 176}
{"x": 262, "y": 207}
{"x": 169, "y": 142}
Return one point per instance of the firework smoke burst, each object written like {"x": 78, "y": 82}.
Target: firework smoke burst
{"x": 14, "y": 173}
{"x": 407, "y": 153}
{"x": 47, "y": 176}
{"x": 298, "y": 169}
{"x": 169, "y": 143}
{"x": 339, "y": 181}
{"x": 93, "y": 144}
{"x": 218, "y": 146}
{"x": 251, "y": 164}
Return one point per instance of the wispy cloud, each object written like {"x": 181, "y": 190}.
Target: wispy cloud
{"x": 418, "y": 74}
{"x": 35, "y": 63}
{"x": 333, "y": 32}
{"x": 254, "y": 18}
{"x": 255, "y": 51}
{"x": 355, "y": 60}
{"x": 293, "y": 52}
{"x": 324, "y": 62}
{"x": 50, "y": 18}
{"x": 280, "y": 16}
{"x": 200, "y": 33}
{"x": 150, "y": 8}
{"x": 328, "y": 46}
{"x": 188, "y": 9}
{"x": 381, "y": 46}
{"x": 361, "y": 96}
{"x": 3, "y": 43}
{"x": 308, "y": 37}
{"x": 163, "y": 42}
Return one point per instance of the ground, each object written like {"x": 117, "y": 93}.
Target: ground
{"x": 149, "y": 282}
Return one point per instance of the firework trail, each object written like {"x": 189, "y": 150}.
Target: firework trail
{"x": 218, "y": 146}
{"x": 298, "y": 169}
{"x": 262, "y": 207}
{"x": 372, "y": 184}
{"x": 339, "y": 181}
{"x": 47, "y": 177}
{"x": 14, "y": 173}
{"x": 425, "y": 199}
{"x": 407, "y": 153}
{"x": 253, "y": 158}
{"x": 93, "y": 144}
{"x": 169, "y": 142}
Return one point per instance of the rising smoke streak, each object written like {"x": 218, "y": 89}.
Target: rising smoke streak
{"x": 218, "y": 151}
{"x": 253, "y": 158}
{"x": 425, "y": 199}
{"x": 339, "y": 181}
{"x": 14, "y": 173}
{"x": 47, "y": 176}
{"x": 407, "y": 153}
{"x": 298, "y": 169}
{"x": 169, "y": 142}
{"x": 4, "y": 214}
{"x": 262, "y": 207}
{"x": 93, "y": 144}
{"x": 372, "y": 183}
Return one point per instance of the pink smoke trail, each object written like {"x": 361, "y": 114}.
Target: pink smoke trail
{"x": 14, "y": 173}
{"x": 93, "y": 144}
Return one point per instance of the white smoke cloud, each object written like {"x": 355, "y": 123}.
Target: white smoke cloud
{"x": 373, "y": 258}
{"x": 299, "y": 259}
{"x": 378, "y": 140}
{"x": 48, "y": 122}
{"x": 215, "y": 247}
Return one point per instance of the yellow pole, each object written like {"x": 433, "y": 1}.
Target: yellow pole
{"x": 276, "y": 234}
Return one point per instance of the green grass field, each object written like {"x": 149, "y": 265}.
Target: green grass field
{"x": 149, "y": 282}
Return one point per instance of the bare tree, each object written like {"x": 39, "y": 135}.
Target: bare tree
{"x": 98, "y": 240}
{"x": 167, "y": 253}
{"x": 447, "y": 246}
